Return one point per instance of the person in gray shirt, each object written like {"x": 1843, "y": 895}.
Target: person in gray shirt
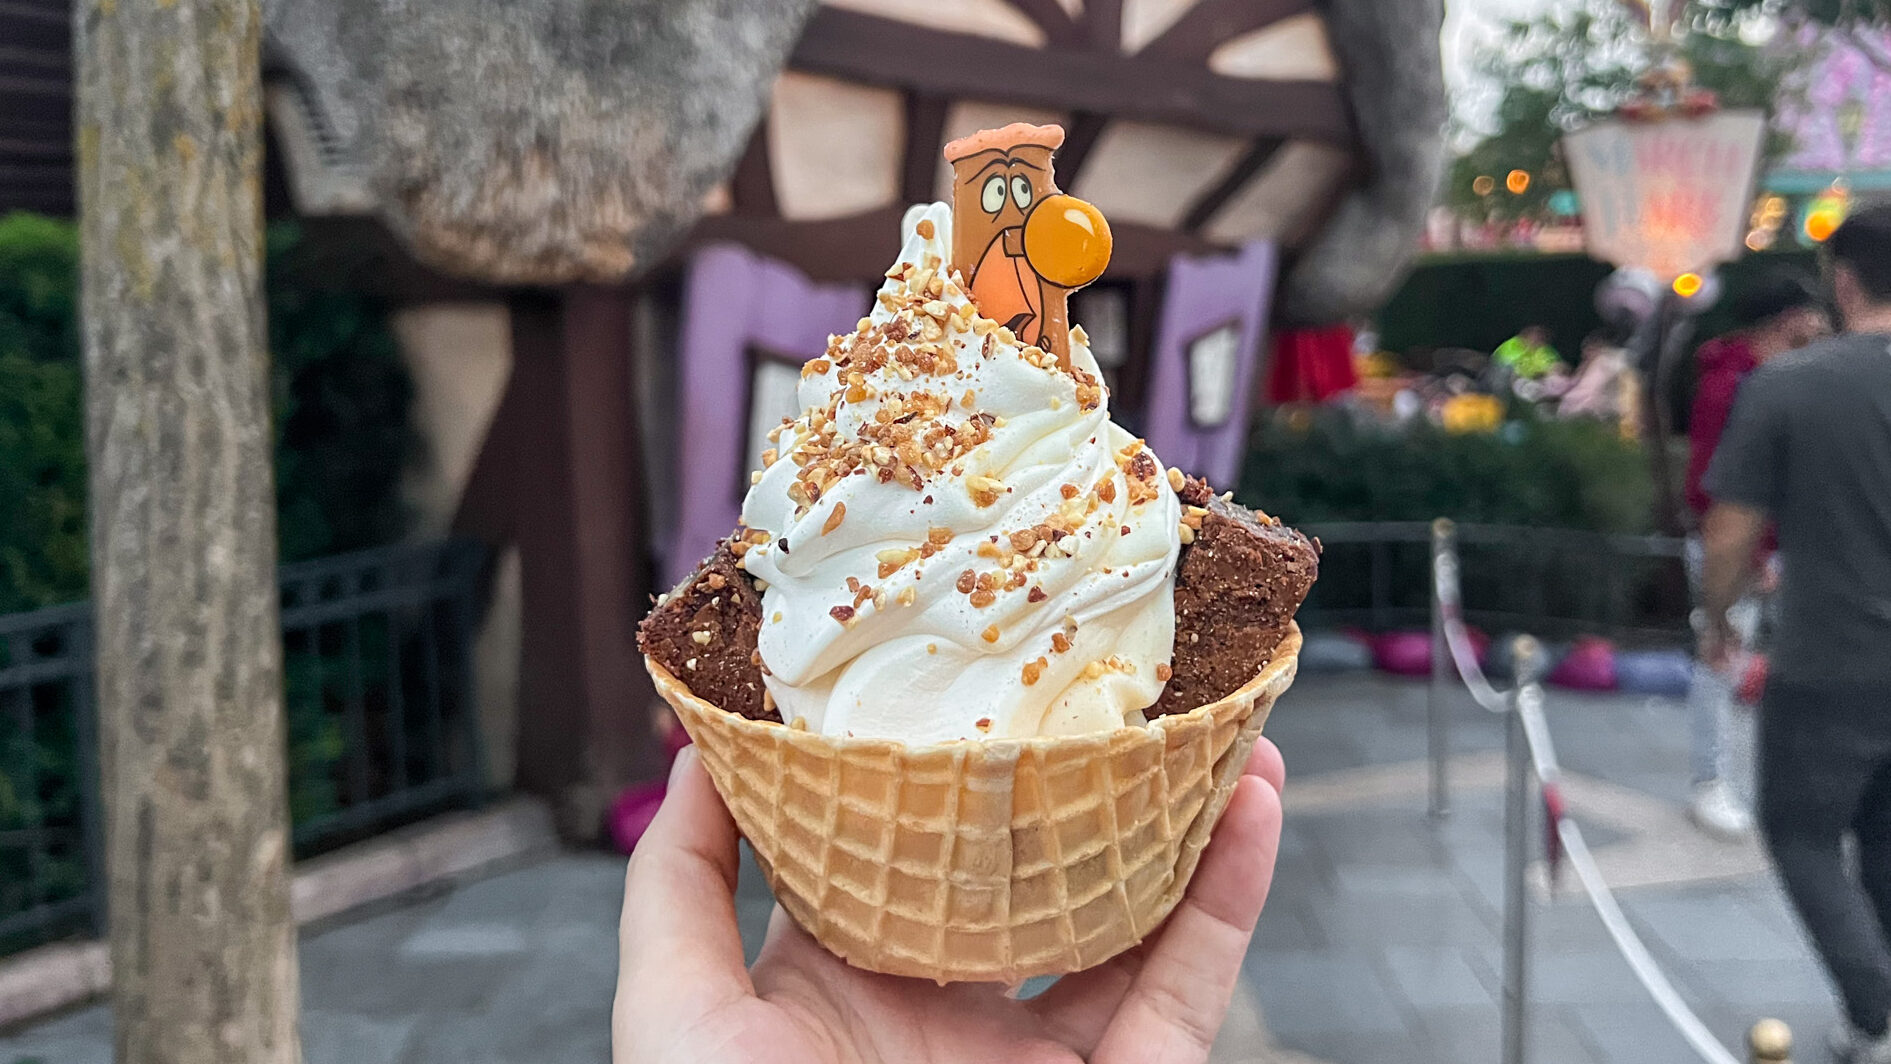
{"x": 1808, "y": 446}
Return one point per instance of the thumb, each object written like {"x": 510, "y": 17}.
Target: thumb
{"x": 678, "y": 947}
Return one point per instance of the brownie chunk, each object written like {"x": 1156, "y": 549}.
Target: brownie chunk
{"x": 1236, "y": 589}
{"x": 704, "y": 632}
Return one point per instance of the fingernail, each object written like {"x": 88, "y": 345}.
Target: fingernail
{"x": 683, "y": 759}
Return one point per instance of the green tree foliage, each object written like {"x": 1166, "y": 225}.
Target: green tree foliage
{"x": 341, "y": 403}
{"x": 1574, "y": 63}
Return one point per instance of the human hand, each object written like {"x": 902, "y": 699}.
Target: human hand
{"x": 684, "y": 995}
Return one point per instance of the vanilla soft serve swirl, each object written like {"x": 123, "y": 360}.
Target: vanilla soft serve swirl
{"x": 956, "y": 541}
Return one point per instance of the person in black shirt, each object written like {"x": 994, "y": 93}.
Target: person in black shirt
{"x": 1809, "y": 447}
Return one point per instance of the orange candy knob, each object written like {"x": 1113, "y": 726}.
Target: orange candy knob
{"x": 1066, "y": 241}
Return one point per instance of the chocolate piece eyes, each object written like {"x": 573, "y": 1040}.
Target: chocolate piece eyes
{"x": 992, "y": 196}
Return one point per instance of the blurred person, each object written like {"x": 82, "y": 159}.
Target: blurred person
{"x": 1528, "y": 355}
{"x": 1809, "y": 446}
{"x": 684, "y": 995}
{"x": 1596, "y": 390}
{"x": 1782, "y": 313}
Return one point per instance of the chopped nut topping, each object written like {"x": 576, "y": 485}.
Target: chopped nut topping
{"x": 1037, "y": 595}
{"x": 924, "y": 229}
{"x": 907, "y": 597}
{"x": 982, "y": 724}
{"x": 985, "y": 490}
{"x": 1187, "y": 534}
{"x": 1060, "y": 642}
{"x": 1106, "y": 490}
{"x": 701, "y": 638}
{"x": 1176, "y": 479}
{"x": 968, "y": 580}
{"x": 1164, "y": 671}
{"x": 716, "y": 581}
{"x": 989, "y": 635}
{"x": 834, "y": 519}
{"x": 1032, "y": 670}
{"x": 843, "y": 614}
{"x": 893, "y": 558}
{"x": 983, "y": 598}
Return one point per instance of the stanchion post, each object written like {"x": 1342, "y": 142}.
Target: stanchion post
{"x": 1444, "y": 547}
{"x": 1526, "y": 655}
{"x": 1770, "y": 1042}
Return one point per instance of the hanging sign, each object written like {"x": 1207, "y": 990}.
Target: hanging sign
{"x": 1671, "y": 196}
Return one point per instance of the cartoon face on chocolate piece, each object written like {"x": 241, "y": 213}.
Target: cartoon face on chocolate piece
{"x": 1022, "y": 245}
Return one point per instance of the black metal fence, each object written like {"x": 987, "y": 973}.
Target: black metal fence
{"x": 1555, "y": 583}
{"x": 378, "y": 692}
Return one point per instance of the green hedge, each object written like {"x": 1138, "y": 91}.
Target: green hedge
{"x": 341, "y": 400}
{"x": 1329, "y": 466}
{"x": 1332, "y": 466}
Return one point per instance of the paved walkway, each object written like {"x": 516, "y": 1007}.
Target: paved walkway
{"x": 1380, "y": 943}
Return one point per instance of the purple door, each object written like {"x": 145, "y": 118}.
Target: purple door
{"x": 748, "y": 324}
{"x": 1202, "y": 368}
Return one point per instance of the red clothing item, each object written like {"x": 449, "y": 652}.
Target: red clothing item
{"x": 1723, "y": 363}
{"x": 1311, "y": 364}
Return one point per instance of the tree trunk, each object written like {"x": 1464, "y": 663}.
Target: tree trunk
{"x": 184, "y": 532}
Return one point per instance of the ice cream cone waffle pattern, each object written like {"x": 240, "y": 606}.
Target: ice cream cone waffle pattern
{"x": 986, "y": 861}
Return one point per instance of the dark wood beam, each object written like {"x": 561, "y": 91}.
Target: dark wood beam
{"x": 1050, "y": 16}
{"x": 752, "y": 188}
{"x": 878, "y": 51}
{"x": 860, "y": 247}
{"x": 1212, "y": 23}
{"x": 925, "y": 135}
{"x": 559, "y": 475}
{"x": 1217, "y": 196}
{"x": 1085, "y": 128}
{"x": 1103, "y": 24}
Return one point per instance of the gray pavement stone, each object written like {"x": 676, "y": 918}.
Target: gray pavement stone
{"x": 1305, "y": 994}
{"x": 1470, "y": 1035}
{"x": 1436, "y": 978}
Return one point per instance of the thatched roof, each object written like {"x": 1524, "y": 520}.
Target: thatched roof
{"x": 508, "y": 140}
{"x": 501, "y": 138}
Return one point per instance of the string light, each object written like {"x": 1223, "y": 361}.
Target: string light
{"x": 1688, "y": 285}
{"x": 1484, "y": 184}
{"x": 1518, "y": 182}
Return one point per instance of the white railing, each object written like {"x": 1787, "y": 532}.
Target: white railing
{"x": 1529, "y": 751}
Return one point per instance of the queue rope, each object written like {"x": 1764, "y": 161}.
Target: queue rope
{"x": 1529, "y": 707}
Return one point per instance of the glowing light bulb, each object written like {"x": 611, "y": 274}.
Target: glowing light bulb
{"x": 1484, "y": 184}
{"x": 1517, "y": 181}
{"x": 1688, "y": 285}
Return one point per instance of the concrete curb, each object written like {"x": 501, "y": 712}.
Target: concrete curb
{"x": 436, "y": 851}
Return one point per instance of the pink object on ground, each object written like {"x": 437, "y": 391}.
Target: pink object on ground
{"x": 1589, "y": 666}
{"x": 1409, "y": 653}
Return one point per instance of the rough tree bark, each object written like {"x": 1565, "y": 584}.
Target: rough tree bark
{"x": 183, "y": 531}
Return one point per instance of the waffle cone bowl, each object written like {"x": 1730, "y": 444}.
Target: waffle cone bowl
{"x": 989, "y": 861}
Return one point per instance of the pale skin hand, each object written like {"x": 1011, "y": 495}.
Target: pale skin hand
{"x": 685, "y": 997}
{"x": 1729, "y": 536}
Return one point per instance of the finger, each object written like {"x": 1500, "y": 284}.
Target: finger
{"x": 1078, "y": 1007}
{"x": 1267, "y": 763}
{"x": 678, "y": 946}
{"x": 1179, "y": 997}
